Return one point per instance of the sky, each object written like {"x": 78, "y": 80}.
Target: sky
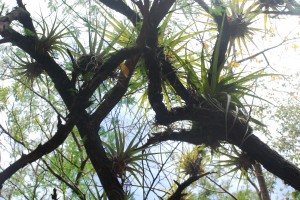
{"x": 282, "y": 60}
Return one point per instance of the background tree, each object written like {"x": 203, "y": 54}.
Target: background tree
{"x": 100, "y": 99}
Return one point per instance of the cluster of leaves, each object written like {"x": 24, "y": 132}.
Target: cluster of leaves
{"x": 83, "y": 52}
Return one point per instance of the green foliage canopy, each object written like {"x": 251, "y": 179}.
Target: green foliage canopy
{"x": 97, "y": 90}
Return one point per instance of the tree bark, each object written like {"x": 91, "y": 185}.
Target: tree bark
{"x": 261, "y": 181}
{"x": 214, "y": 127}
{"x": 99, "y": 159}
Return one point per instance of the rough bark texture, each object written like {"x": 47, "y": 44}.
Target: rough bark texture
{"x": 272, "y": 161}
{"x": 240, "y": 134}
{"x": 98, "y": 157}
{"x": 212, "y": 124}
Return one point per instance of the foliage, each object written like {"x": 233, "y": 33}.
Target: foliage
{"x": 191, "y": 163}
{"x": 99, "y": 99}
{"x": 126, "y": 158}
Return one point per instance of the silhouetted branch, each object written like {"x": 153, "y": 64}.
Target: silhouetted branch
{"x": 26, "y": 20}
{"x": 43, "y": 149}
{"x": 178, "y": 194}
{"x": 73, "y": 187}
{"x": 212, "y": 128}
{"x": 121, "y": 7}
{"x": 56, "y": 73}
{"x": 18, "y": 13}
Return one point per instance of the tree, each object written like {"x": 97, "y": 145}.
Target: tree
{"x": 131, "y": 61}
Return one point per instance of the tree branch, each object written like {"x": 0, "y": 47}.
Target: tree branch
{"x": 88, "y": 128}
{"x": 295, "y": 12}
{"x": 169, "y": 72}
{"x": 177, "y": 195}
{"x": 123, "y": 8}
{"x": 74, "y": 188}
{"x": 109, "y": 66}
{"x": 255, "y": 187}
{"x": 261, "y": 181}
{"x": 18, "y": 13}
{"x": 59, "y": 137}
{"x": 95, "y": 150}
{"x": 261, "y": 52}
{"x": 56, "y": 73}
{"x": 159, "y": 10}
{"x": 222, "y": 188}
{"x": 11, "y": 136}
{"x": 155, "y": 95}
{"x": 212, "y": 127}
{"x": 26, "y": 20}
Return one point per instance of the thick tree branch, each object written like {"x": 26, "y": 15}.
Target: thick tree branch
{"x": 212, "y": 127}
{"x": 80, "y": 172}
{"x": 148, "y": 36}
{"x": 116, "y": 93}
{"x": 205, "y": 7}
{"x": 60, "y": 136}
{"x": 5, "y": 40}
{"x": 56, "y": 73}
{"x": 272, "y": 161}
{"x": 155, "y": 83}
{"x": 88, "y": 129}
{"x": 152, "y": 61}
{"x": 144, "y": 8}
{"x": 218, "y": 58}
{"x": 169, "y": 72}
{"x": 94, "y": 148}
{"x": 220, "y": 48}
{"x": 18, "y": 13}
{"x": 159, "y": 10}
{"x": 77, "y": 105}
{"x": 109, "y": 66}
{"x": 217, "y": 5}
{"x": 123, "y": 8}
{"x": 26, "y": 20}
{"x": 193, "y": 138}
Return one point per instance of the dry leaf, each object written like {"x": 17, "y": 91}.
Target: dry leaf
{"x": 124, "y": 69}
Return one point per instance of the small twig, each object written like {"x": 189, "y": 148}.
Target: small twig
{"x": 71, "y": 185}
{"x": 282, "y": 12}
{"x": 262, "y": 52}
{"x": 159, "y": 171}
{"x": 222, "y": 188}
{"x": 43, "y": 98}
{"x": 255, "y": 187}
{"x": 12, "y": 137}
